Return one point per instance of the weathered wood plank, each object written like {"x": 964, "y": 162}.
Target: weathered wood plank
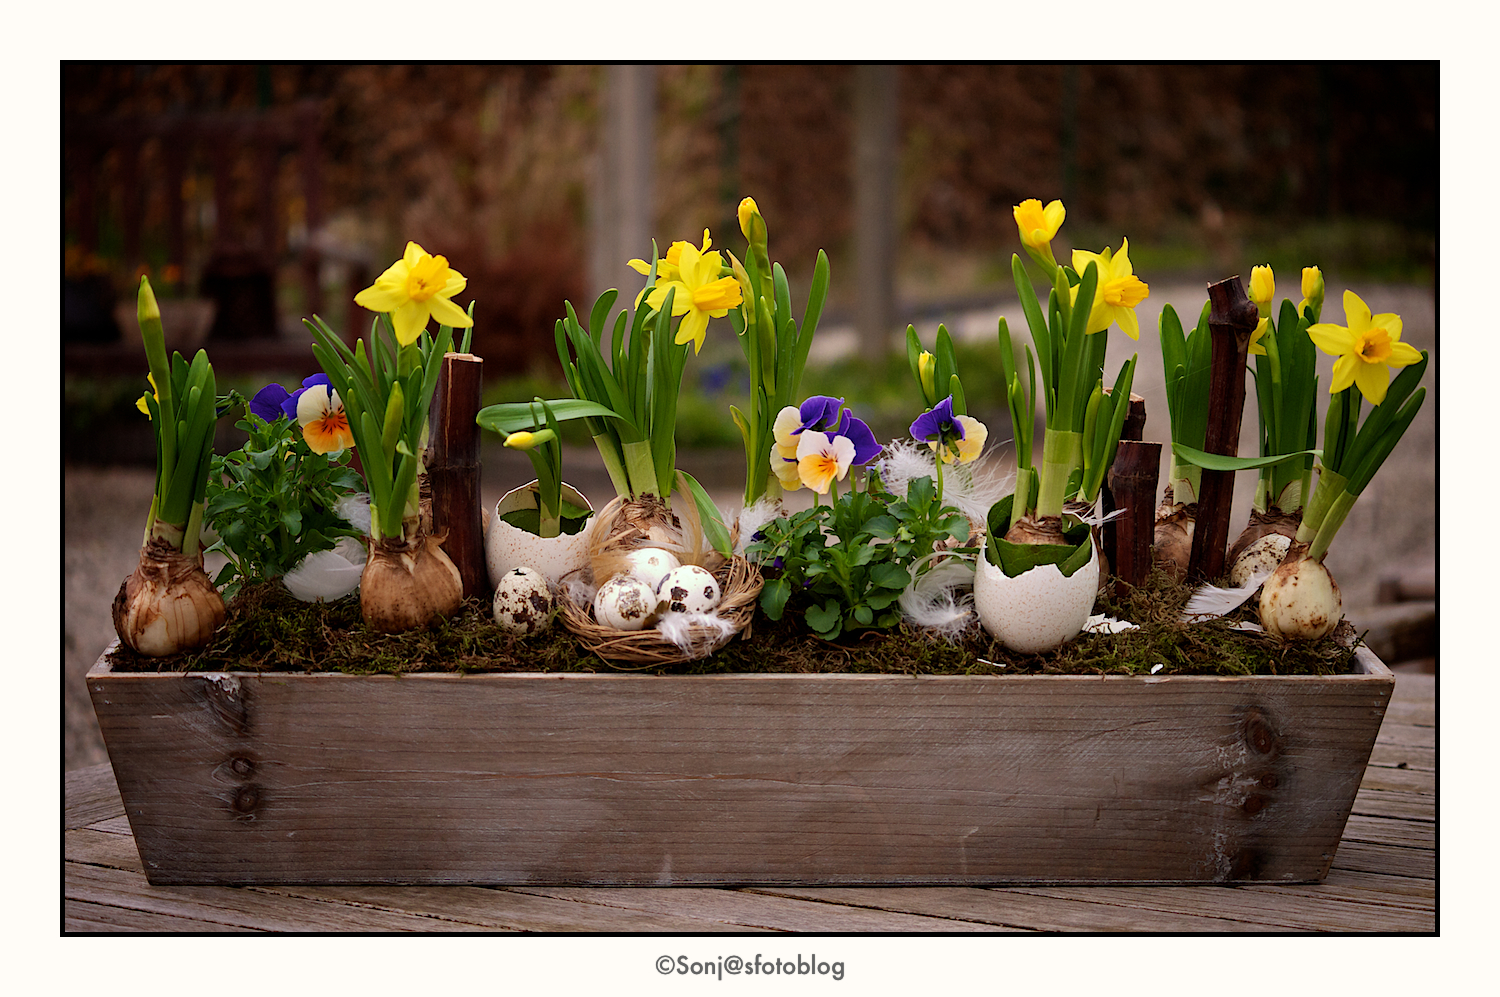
{"x": 80, "y": 916}
{"x": 1014, "y": 910}
{"x": 1300, "y": 913}
{"x": 237, "y": 908}
{"x": 113, "y": 825}
{"x": 1385, "y": 831}
{"x": 511, "y": 909}
{"x": 92, "y": 847}
{"x": 756, "y": 909}
{"x": 1407, "y": 780}
{"x": 1403, "y": 756}
{"x": 1393, "y": 803}
{"x": 1412, "y": 712}
{"x": 1364, "y": 887}
{"x": 1362, "y": 856}
{"x": 770, "y": 779}
{"x": 1408, "y": 736}
{"x": 89, "y": 795}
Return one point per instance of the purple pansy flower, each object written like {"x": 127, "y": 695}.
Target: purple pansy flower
{"x": 267, "y": 403}
{"x": 938, "y": 423}
{"x": 823, "y": 414}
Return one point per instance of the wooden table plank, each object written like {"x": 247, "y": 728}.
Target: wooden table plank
{"x": 1383, "y": 879}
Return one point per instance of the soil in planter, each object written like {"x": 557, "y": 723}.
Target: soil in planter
{"x": 268, "y": 630}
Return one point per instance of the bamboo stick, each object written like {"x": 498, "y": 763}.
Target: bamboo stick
{"x": 1135, "y": 425}
{"x": 1231, "y": 319}
{"x": 1132, "y": 487}
{"x": 453, "y": 469}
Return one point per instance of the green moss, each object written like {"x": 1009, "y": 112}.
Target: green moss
{"x": 268, "y": 630}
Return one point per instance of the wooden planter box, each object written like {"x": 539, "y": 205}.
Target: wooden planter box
{"x": 772, "y": 779}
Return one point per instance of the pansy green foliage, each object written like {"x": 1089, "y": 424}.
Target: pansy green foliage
{"x": 1186, "y": 361}
{"x": 854, "y": 583}
{"x": 1017, "y": 558}
{"x": 553, "y": 515}
{"x": 271, "y": 502}
{"x": 184, "y": 409}
{"x": 774, "y": 343}
{"x": 386, "y": 388}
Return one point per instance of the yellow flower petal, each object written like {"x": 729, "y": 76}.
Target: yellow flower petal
{"x": 1403, "y": 354}
{"x": 693, "y": 329}
{"x": 787, "y": 420}
{"x": 449, "y": 314}
{"x": 1356, "y": 312}
{"x": 1332, "y": 339}
{"x": 410, "y": 318}
{"x": 413, "y": 254}
{"x": 1343, "y": 373}
{"x": 1373, "y": 379}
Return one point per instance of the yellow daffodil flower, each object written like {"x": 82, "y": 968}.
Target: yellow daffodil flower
{"x": 701, "y": 293}
{"x": 1256, "y": 347}
{"x": 413, "y": 289}
{"x": 1262, "y": 287}
{"x": 1118, "y": 292}
{"x": 1313, "y": 289}
{"x": 320, "y": 413}
{"x": 1366, "y": 349}
{"x": 821, "y": 459}
{"x": 967, "y": 449}
{"x": 1038, "y": 225}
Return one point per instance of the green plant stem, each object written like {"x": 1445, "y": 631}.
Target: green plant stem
{"x": 1330, "y": 486}
{"x": 1062, "y": 451}
{"x": 640, "y": 468}
{"x": 1332, "y": 520}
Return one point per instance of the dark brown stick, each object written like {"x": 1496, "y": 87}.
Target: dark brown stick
{"x": 1135, "y": 425}
{"x": 1132, "y": 487}
{"x": 453, "y": 469}
{"x": 1231, "y": 320}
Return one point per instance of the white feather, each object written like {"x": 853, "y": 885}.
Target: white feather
{"x": 754, "y": 518}
{"x": 969, "y": 488}
{"x": 941, "y": 599}
{"x": 355, "y": 510}
{"x": 678, "y": 628}
{"x": 1210, "y": 601}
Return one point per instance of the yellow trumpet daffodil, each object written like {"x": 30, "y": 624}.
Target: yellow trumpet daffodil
{"x": 701, "y": 292}
{"x": 413, "y": 289}
{"x": 1366, "y": 348}
{"x": 1118, "y": 292}
{"x": 667, "y": 268}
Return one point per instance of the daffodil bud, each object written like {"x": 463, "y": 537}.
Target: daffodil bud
{"x": 927, "y": 371}
{"x": 1262, "y": 288}
{"x": 526, "y": 439}
{"x": 1313, "y": 290}
{"x": 1038, "y": 227}
{"x": 748, "y": 211}
{"x": 145, "y": 303}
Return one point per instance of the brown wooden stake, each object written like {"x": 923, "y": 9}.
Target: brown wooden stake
{"x": 1135, "y": 425}
{"x": 1231, "y": 319}
{"x": 1132, "y": 487}
{"x": 453, "y": 469}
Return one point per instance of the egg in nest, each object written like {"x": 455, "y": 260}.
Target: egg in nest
{"x": 689, "y": 589}
{"x": 650, "y": 564}
{"x": 624, "y": 603}
{"x": 523, "y": 601}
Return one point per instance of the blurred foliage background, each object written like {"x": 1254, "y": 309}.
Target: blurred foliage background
{"x": 1207, "y": 168}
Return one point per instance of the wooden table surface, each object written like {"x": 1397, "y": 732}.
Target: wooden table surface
{"x": 1383, "y": 879}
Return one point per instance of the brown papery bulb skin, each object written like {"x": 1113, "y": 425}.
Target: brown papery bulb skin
{"x": 1300, "y": 601}
{"x": 1172, "y": 542}
{"x": 1262, "y": 524}
{"x": 407, "y": 584}
{"x": 168, "y": 604}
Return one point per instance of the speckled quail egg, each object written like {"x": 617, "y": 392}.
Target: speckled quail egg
{"x": 624, "y": 603}
{"x": 523, "y": 601}
{"x": 689, "y": 589}
{"x": 1260, "y": 557}
{"x": 650, "y": 564}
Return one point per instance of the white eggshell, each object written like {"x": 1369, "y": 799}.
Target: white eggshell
{"x": 689, "y": 589}
{"x": 1261, "y": 556}
{"x": 523, "y": 601}
{"x": 1037, "y": 610}
{"x": 506, "y": 547}
{"x": 650, "y": 564}
{"x": 624, "y": 603}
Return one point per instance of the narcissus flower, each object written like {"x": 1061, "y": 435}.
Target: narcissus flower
{"x": 1118, "y": 292}
{"x": 667, "y": 268}
{"x": 140, "y": 402}
{"x": 319, "y": 410}
{"x": 1038, "y": 226}
{"x": 747, "y": 212}
{"x": 1366, "y": 348}
{"x": 822, "y": 458}
{"x": 701, "y": 293}
{"x": 526, "y": 439}
{"x": 1262, "y": 287}
{"x": 413, "y": 289}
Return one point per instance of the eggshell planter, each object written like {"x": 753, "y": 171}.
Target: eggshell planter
{"x": 506, "y": 547}
{"x": 1038, "y": 609}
